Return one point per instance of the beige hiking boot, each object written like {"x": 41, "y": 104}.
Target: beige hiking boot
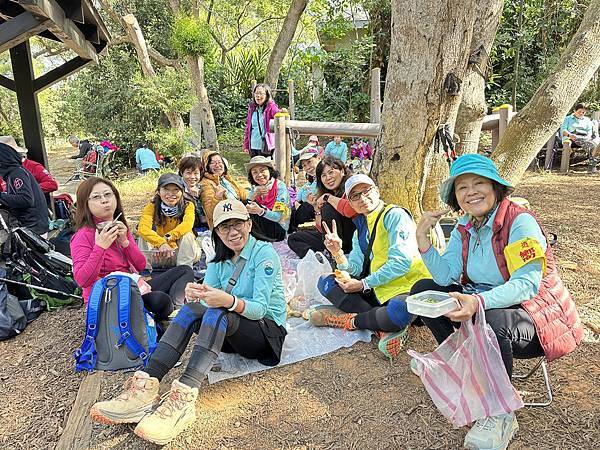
{"x": 139, "y": 397}
{"x": 330, "y": 316}
{"x": 176, "y": 412}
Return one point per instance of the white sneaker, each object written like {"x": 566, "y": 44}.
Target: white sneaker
{"x": 492, "y": 433}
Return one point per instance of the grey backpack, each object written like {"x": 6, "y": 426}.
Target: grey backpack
{"x": 120, "y": 333}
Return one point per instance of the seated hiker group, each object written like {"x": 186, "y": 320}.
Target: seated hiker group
{"x": 380, "y": 254}
{"x": 498, "y": 259}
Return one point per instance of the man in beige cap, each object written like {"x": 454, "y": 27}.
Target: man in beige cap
{"x": 23, "y": 199}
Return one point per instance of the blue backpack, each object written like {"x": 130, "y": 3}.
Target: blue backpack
{"x": 120, "y": 332}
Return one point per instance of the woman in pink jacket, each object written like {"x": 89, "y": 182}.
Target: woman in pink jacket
{"x": 96, "y": 253}
{"x": 261, "y": 109}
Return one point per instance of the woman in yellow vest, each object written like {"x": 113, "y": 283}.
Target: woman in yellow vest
{"x": 385, "y": 263}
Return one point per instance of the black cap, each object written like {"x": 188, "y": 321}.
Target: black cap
{"x": 171, "y": 178}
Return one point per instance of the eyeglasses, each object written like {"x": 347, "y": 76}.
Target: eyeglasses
{"x": 357, "y": 195}
{"x": 225, "y": 228}
{"x": 99, "y": 197}
{"x": 172, "y": 192}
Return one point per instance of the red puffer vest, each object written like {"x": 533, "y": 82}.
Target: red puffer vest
{"x": 552, "y": 310}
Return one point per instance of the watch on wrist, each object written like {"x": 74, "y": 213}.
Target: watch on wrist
{"x": 366, "y": 287}
{"x": 167, "y": 236}
{"x": 326, "y": 197}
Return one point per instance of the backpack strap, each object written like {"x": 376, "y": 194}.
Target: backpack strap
{"x": 236, "y": 274}
{"x": 85, "y": 356}
{"x": 127, "y": 336}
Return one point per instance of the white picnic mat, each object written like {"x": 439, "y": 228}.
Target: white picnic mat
{"x": 302, "y": 342}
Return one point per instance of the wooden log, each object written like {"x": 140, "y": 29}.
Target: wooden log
{"x": 279, "y": 123}
{"x": 504, "y": 118}
{"x": 549, "y": 152}
{"x": 566, "y": 157}
{"x": 19, "y": 29}
{"x": 376, "y": 95}
{"x": 78, "y": 430}
{"x": 305, "y": 127}
{"x": 291, "y": 100}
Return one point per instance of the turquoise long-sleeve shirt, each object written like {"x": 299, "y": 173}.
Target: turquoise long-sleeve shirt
{"x": 283, "y": 198}
{"x": 403, "y": 248}
{"x": 307, "y": 188}
{"x": 482, "y": 268}
{"x": 258, "y": 120}
{"x": 146, "y": 159}
{"x": 339, "y": 151}
{"x": 581, "y": 127}
{"x": 260, "y": 284}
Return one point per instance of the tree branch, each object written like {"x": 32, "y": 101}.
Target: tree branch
{"x": 242, "y": 36}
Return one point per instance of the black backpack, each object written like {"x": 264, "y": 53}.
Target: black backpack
{"x": 15, "y": 314}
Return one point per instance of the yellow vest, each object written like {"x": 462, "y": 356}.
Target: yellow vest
{"x": 400, "y": 285}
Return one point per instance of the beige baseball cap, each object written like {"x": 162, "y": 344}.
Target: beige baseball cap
{"x": 229, "y": 209}
{"x": 10, "y": 141}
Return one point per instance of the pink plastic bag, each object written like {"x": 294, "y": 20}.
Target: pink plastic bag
{"x": 465, "y": 376}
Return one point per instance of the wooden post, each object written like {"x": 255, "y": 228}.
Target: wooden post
{"x": 281, "y": 150}
{"x": 253, "y": 84}
{"x": 288, "y": 159}
{"x": 549, "y": 152}
{"x": 376, "y": 95}
{"x": 375, "y": 109}
{"x": 495, "y": 138}
{"x": 78, "y": 430}
{"x": 292, "y": 101}
{"x": 566, "y": 157}
{"x": 505, "y": 112}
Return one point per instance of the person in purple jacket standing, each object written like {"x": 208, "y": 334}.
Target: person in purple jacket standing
{"x": 261, "y": 109}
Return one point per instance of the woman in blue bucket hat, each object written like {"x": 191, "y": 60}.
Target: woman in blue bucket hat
{"x": 497, "y": 256}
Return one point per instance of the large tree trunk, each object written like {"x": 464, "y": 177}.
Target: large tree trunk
{"x": 473, "y": 106}
{"x": 133, "y": 30}
{"x": 419, "y": 96}
{"x": 380, "y": 13}
{"x": 209, "y": 130}
{"x": 284, "y": 39}
{"x": 531, "y": 128}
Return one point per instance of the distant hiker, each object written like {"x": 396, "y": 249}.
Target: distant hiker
{"x": 258, "y": 140}
{"x": 145, "y": 159}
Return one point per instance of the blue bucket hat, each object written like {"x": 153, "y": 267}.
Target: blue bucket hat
{"x": 475, "y": 164}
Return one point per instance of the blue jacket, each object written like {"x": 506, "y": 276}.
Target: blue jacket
{"x": 482, "y": 267}
{"x": 338, "y": 151}
{"x": 260, "y": 284}
{"x": 146, "y": 159}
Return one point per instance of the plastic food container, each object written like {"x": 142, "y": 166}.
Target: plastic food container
{"x": 431, "y": 304}
{"x": 158, "y": 261}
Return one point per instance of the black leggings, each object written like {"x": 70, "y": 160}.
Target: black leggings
{"x": 217, "y": 329}
{"x": 168, "y": 289}
{"x": 304, "y": 213}
{"x": 268, "y": 228}
{"x": 513, "y": 327}
{"x": 370, "y": 314}
{"x": 304, "y": 240}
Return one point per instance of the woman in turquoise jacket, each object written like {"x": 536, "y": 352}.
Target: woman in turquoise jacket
{"x": 239, "y": 308}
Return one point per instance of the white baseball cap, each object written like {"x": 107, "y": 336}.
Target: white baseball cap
{"x": 229, "y": 209}
{"x": 355, "y": 180}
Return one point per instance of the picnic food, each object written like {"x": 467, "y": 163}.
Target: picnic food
{"x": 342, "y": 275}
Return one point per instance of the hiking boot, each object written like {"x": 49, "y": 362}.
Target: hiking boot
{"x": 176, "y": 412}
{"x": 492, "y": 433}
{"x": 330, "y": 316}
{"x": 391, "y": 344}
{"x": 139, "y": 397}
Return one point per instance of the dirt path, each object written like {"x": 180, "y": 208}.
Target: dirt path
{"x": 353, "y": 398}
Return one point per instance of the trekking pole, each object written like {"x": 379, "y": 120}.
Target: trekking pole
{"x": 40, "y": 288}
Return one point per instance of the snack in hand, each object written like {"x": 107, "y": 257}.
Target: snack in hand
{"x": 342, "y": 275}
